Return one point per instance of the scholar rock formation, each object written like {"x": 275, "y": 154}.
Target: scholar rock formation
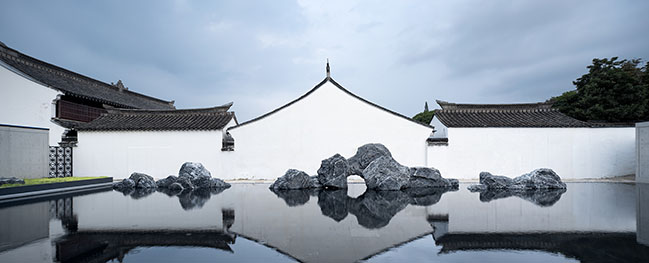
{"x": 11, "y": 180}
{"x": 538, "y": 179}
{"x": 294, "y": 179}
{"x": 143, "y": 180}
{"x": 193, "y": 171}
{"x": 429, "y": 177}
{"x": 384, "y": 173}
{"x": 374, "y": 163}
{"x": 365, "y": 155}
{"x": 166, "y": 182}
{"x": 333, "y": 172}
{"x": 540, "y": 197}
{"x": 191, "y": 176}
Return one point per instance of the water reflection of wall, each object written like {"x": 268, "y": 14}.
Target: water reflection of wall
{"x": 23, "y": 224}
{"x": 642, "y": 207}
{"x": 584, "y": 207}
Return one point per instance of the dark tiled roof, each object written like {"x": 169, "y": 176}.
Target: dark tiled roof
{"x": 73, "y": 84}
{"x": 186, "y": 119}
{"x": 505, "y": 115}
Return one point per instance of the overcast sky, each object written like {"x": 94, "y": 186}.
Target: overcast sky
{"x": 263, "y": 54}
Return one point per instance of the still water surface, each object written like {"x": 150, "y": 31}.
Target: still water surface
{"x": 590, "y": 222}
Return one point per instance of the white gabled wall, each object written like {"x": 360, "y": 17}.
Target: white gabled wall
{"x": 27, "y": 103}
{"x": 156, "y": 153}
{"x": 326, "y": 122}
{"x": 572, "y": 153}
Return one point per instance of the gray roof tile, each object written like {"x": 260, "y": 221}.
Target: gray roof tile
{"x": 74, "y": 84}
{"x": 186, "y": 119}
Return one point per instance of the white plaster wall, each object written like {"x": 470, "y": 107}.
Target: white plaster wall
{"x": 642, "y": 155}
{"x": 326, "y": 122}
{"x": 156, "y": 153}
{"x": 27, "y": 103}
{"x": 572, "y": 153}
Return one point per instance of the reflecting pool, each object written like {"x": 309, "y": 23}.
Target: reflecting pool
{"x": 590, "y": 222}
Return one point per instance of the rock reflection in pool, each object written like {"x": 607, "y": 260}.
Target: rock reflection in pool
{"x": 189, "y": 198}
{"x": 373, "y": 209}
{"x": 540, "y": 197}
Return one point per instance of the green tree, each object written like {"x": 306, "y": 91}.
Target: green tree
{"x": 612, "y": 90}
{"x": 424, "y": 117}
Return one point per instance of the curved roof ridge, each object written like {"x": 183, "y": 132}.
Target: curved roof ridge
{"x": 484, "y": 107}
{"x": 7, "y": 53}
{"x": 328, "y": 79}
{"x": 215, "y": 109}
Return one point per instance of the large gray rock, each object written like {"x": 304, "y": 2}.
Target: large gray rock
{"x": 384, "y": 173}
{"x": 176, "y": 187}
{"x": 124, "y": 185}
{"x": 429, "y": 177}
{"x": 208, "y": 182}
{"x": 333, "y": 172}
{"x": 543, "y": 178}
{"x": 142, "y": 180}
{"x": 193, "y": 171}
{"x": 294, "y": 179}
{"x": 365, "y": 155}
{"x": 11, "y": 180}
{"x": 185, "y": 182}
{"x": 496, "y": 181}
{"x": 166, "y": 182}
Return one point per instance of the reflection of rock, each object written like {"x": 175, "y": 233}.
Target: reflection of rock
{"x": 540, "y": 197}
{"x": 373, "y": 209}
{"x": 333, "y": 172}
{"x": 426, "y": 196}
{"x": 333, "y": 203}
{"x": 365, "y": 155}
{"x": 190, "y": 199}
{"x": 124, "y": 185}
{"x": 294, "y": 197}
{"x": 294, "y": 179}
{"x": 543, "y": 178}
{"x": 384, "y": 173}
{"x": 141, "y": 192}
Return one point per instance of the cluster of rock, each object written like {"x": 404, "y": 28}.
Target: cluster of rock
{"x": 190, "y": 176}
{"x": 11, "y": 180}
{"x": 374, "y": 163}
{"x": 543, "y": 178}
{"x": 542, "y": 187}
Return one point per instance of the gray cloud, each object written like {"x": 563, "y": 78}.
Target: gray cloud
{"x": 263, "y": 54}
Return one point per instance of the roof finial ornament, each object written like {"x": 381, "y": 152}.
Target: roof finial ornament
{"x": 328, "y": 69}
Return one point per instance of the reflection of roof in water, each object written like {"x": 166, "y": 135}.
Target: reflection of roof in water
{"x": 586, "y": 247}
{"x": 102, "y": 246}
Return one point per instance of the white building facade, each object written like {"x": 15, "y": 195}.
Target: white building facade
{"x": 326, "y": 120}
{"x": 515, "y": 139}
{"x": 154, "y": 142}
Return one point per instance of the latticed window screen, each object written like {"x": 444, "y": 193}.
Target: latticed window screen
{"x": 60, "y": 161}
{"x": 79, "y": 112}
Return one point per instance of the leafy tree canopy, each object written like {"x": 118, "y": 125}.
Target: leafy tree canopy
{"x": 424, "y": 117}
{"x": 613, "y": 90}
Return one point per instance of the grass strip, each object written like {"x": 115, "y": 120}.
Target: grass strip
{"x": 36, "y": 181}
